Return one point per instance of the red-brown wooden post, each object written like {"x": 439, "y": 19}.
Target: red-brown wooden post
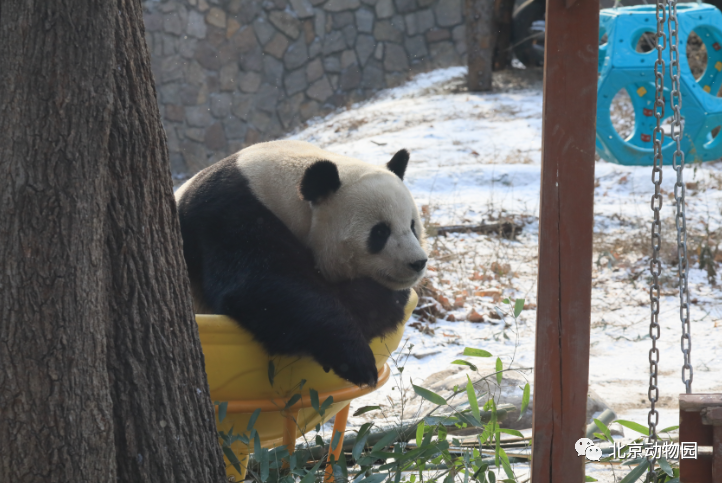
{"x": 565, "y": 239}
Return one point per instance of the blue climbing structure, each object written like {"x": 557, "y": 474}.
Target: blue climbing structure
{"x": 623, "y": 66}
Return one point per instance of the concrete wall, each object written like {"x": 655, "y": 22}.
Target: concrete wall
{"x": 230, "y": 73}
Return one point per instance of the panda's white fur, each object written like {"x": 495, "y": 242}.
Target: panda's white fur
{"x": 218, "y": 209}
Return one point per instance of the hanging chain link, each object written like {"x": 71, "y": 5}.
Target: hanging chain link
{"x": 655, "y": 265}
{"x": 680, "y": 220}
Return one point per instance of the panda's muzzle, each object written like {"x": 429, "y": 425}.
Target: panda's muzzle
{"x": 418, "y": 265}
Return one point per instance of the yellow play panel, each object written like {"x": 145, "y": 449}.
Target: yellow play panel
{"x": 237, "y": 370}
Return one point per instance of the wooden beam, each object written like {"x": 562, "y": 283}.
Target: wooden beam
{"x": 565, "y": 240}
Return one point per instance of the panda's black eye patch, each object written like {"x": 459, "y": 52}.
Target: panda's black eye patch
{"x": 377, "y": 238}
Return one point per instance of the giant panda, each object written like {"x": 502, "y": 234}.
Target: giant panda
{"x": 312, "y": 252}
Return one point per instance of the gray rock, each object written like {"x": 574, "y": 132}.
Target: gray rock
{"x": 267, "y": 97}
{"x": 416, "y": 47}
{"x": 319, "y": 23}
{"x": 187, "y": 47}
{"x": 436, "y": 35}
{"x": 459, "y": 36}
{"x": 316, "y": 3}
{"x": 172, "y": 137}
{"x": 384, "y": 8}
{"x": 364, "y": 20}
{"x": 194, "y": 156}
{"x": 295, "y": 82}
{"x": 405, "y": 6}
{"x": 341, "y": 5}
{"x": 333, "y": 42}
{"x": 174, "y": 112}
{"x": 332, "y": 64}
{"x": 207, "y": 56}
{"x": 443, "y": 54}
{"x": 448, "y": 12}
{"x": 235, "y": 129}
{"x": 187, "y": 95}
{"x": 277, "y": 46}
{"x": 170, "y": 44}
{"x": 221, "y": 105}
{"x": 350, "y": 78}
{"x": 244, "y": 40}
{"x": 425, "y": 20}
{"x": 386, "y": 31}
{"x": 379, "y": 52}
{"x": 309, "y": 33}
{"x": 264, "y": 30}
{"x": 172, "y": 24}
{"x": 216, "y": 17}
{"x": 272, "y": 71}
{"x": 314, "y": 70}
{"x": 308, "y": 110}
{"x": 177, "y": 163}
{"x": 348, "y": 58}
{"x": 296, "y": 55}
{"x": 198, "y": 116}
{"x": 252, "y": 60}
{"x": 303, "y": 8}
{"x": 315, "y": 48}
{"x": 194, "y": 73}
{"x": 369, "y": 2}
{"x": 274, "y": 4}
{"x": 365, "y": 45}
{"x": 153, "y": 22}
{"x": 412, "y": 27}
{"x": 172, "y": 69}
{"x": 196, "y": 134}
{"x": 349, "y": 35}
{"x": 196, "y": 25}
{"x": 373, "y": 76}
{"x": 229, "y": 76}
{"x": 249, "y": 82}
{"x": 286, "y": 23}
{"x": 320, "y": 90}
{"x": 425, "y": 3}
{"x": 260, "y": 120}
{"x": 241, "y": 105}
{"x": 333, "y": 79}
{"x": 288, "y": 111}
{"x": 340, "y": 20}
{"x": 395, "y": 59}
{"x": 215, "y": 138}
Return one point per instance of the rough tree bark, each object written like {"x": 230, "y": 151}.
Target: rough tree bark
{"x": 101, "y": 371}
{"x": 503, "y": 12}
{"x": 480, "y": 41}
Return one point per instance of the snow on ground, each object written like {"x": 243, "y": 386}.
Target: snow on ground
{"x": 476, "y": 157}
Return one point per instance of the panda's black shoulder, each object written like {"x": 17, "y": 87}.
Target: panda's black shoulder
{"x": 219, "y": 185}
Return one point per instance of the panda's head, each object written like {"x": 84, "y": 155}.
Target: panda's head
{"x": 366, "y": 227}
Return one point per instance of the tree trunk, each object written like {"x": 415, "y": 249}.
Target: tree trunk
{"x": 503, "y": 11}
{"x": 480, "y": 43}
{"x": 101, "y": 371}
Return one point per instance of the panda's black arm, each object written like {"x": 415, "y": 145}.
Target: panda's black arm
{"x": 273, "y": 290}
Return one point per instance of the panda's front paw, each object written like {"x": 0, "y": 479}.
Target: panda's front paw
{"x": 357, "y": 366}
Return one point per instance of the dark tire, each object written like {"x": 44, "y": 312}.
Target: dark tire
{"x": 528, "y": 45}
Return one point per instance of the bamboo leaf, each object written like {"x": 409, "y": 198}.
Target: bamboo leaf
{"x": 513, "y": 432}
{"x": 468, "y": 351}
{"x": 294, "y": 399}
{"x": 634, "y": 475}
{"x": 386, "y": 440}
{"x": 327, "y": 403}
{"x": 471, "y": 394}
{"x": 499, "y": 368}
{"x": 634, "y": 426}
{"x": 589, "y": 478}
{"x": 605, "y": 430}
{"x": 335, "y": 440}
{"x": 518, "y": 307}
{"x": 461, "y": 362}
{"x": 365, "y": 409}
{"x": 271, "y": 372}
{"x": 222, "y": 408}
{"x": 429, "y": 395}
{"x": 252, "y": 421}
{"x": 524, "y": 400}
{"x": 232, "y": 458}
{"x": 419, "y": 433}
{"x": 314, "y": 401}
{"x": 666, "y": 467}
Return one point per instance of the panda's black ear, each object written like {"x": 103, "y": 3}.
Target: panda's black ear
{"x": 398, "y": 163}
{"x": 320, "y": 180}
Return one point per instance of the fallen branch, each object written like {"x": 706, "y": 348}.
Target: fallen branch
{"x": 506, "y": 229}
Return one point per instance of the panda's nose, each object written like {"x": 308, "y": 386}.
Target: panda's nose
{"x": 418, "y": 265}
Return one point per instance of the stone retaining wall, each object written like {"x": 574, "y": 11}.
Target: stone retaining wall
{"x": 230, "y": 73}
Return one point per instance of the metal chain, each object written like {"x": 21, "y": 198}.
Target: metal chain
{"x": 655, "y": 265}
{"x": 679, "y": 190}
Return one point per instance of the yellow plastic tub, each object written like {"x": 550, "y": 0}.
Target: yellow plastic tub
{"x": 237, "y": 370}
